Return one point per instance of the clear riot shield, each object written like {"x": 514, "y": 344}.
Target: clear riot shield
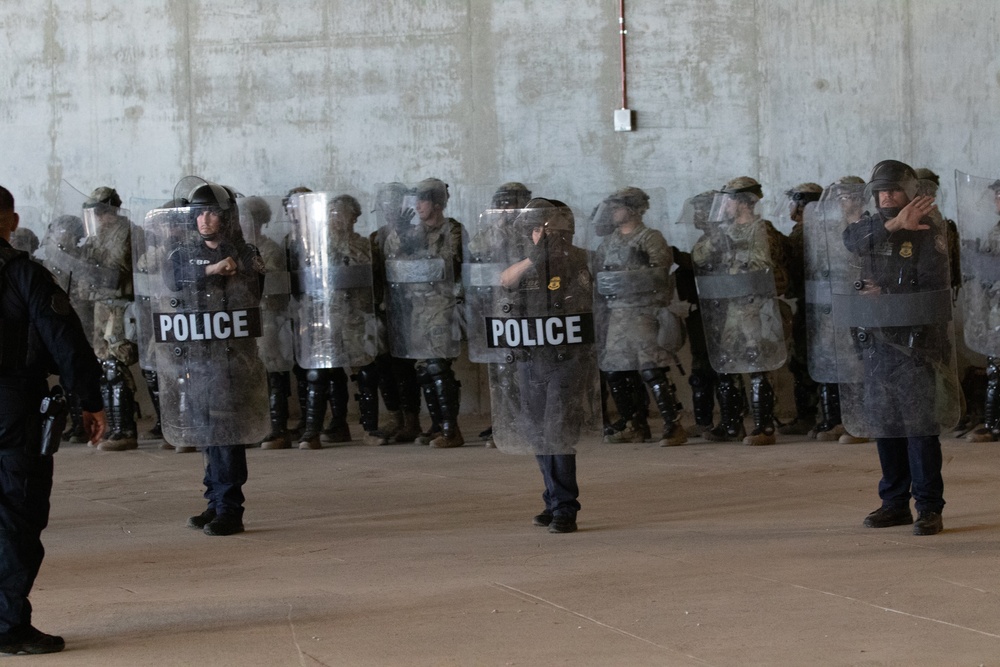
{"x": 893, "y": 334}
{"x": 979, "y": 228}
{"x": 205, "y": 300}
{"x": 824, "y": 220}
{"x": 265, "y": 216}
{"x": 331, "y": 265}
{"x": 494, "y": 244}
{"x": 88, "y": 249}
{"x": 736, "y": 290}
{"x": 545, "y": 393}
{"x": 141, "y": 312}
{"x": 634, "y": 287}
{"x": 30, "y": 231}
{"x": 422, "y": 254}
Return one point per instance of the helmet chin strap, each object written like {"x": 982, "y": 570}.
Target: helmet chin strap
{"x": 889, "y": 212}
{"x": 210, "y": 237}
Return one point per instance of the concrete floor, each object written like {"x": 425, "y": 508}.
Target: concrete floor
{"x": 707, "y": 554}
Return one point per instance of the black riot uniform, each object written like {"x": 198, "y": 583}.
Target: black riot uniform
{"x": 902, "y": 262}
{"x": 41, "y": 333}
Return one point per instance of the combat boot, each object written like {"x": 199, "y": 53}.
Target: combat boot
{"x": 124, "y": 435}
{"x": 702, "y": 402}
{"x": 75, "y": 432}
{"x": 762, "y": 405}
{"x": 730, "y": 427}
{"x": 623, "y": 393}
{"x": 830, "y": 428}
{"x": 990, "y": 430}
{"x": 338, "y": 430}
{"x": 315, "y": 411}
{"x": 277, "y": 384}
{"x": 449, "y": 396}
{"x": 665, "y": 396}
{"x": 410, "y": 429}
{"x": 153, "y": 387}
{"x": 804, "y": 392}
{"x": 629, "y": 432}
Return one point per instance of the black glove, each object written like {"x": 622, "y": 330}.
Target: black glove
{"x": 537, "y": 252}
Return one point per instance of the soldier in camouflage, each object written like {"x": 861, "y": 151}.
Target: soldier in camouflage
{"x": 747, "y": 243}
{"x": 634, "y": 261}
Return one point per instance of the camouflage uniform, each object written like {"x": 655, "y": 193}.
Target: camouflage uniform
{"x": 352, "y": 337}
{"x": 109, "y": 294}
{"x": 428, "y": 314}
{"x": 637, "y": 322}
{"x": 753, "y": 245}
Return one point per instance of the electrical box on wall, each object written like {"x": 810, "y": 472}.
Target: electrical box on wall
{"x": 624, "y": 120}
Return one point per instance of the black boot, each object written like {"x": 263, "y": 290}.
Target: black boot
{"x": 302, "y": 392}
{"x": 338, "y": 430}
{"x": 665, "y": 395}
{"x": 729, "y": 390}
{"x": 317, "y": 387}
{"x": 75, "y": 432}
{"x": 622, "y": 390}
{"x": 409, "y": 392}
{"x": 641, "y": 417}
{"x": 153, "y": 387}
{"x": 278, "y": 389}
{"x": 426, "y": 381}
{"x": 702, "y": 401}
{"x": 449, "y": 398}
{"x": 805, "y": 394}
{"x": 762, "y": 405}
{"x": 831, "y": 427}
{"x": 990, "y": 430}
{"x": 367, "y": 379}
{"x": 122, "y": 408}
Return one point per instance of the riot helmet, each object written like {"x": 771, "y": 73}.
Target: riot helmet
{"x": 742, "y": 191}
{"x": 799, "y": 197}
{"x": 433, "y": 190}
{"x": 258, "y": 210}
{"x": 511, "y": 195}
{"x": 205, "y": 197}
{"x": 891, "y": 175}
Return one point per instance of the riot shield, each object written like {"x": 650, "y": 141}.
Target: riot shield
{"x": 544, "y": 395}
{"x": 979, "y": 228}
{"x": 90, "y": 255}
{"x": 422, "y": 256}
{"x": 736, "y": 289}
{"x": 271, "y": 228}
{"x": 331, "y": 265}
{"x": 893, "y": 334}
{"x": 142, "y": 311}
{"x": 634, "y": 288}
{"x": 824, "y": 220}
{"x": 30, "y": 231}
{"x": 205, "y": 291}
{"x": 494, "y": 244}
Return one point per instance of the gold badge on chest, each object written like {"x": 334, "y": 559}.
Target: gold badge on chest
{"x": 906, "y": 250}
{"x": 555, "y": 283}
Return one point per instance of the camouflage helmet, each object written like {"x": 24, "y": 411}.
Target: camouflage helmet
{"x": 298, "y": 190}
{"x": 631, "y": 198}
{"x": 351, "y": 204}
{"x": 805, "y": 192}
{"x": 743, "y": 184}
{"x": 847, "y": 185}
{"x": 511, "y": 195}
{"x": 104, "y": 195}
{"x": 927, "y": 182}
{"x": 433, "y": 190}
{"x": 925, "y": 174}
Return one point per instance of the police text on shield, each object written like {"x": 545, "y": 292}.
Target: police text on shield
{"x": 214, "y": 325}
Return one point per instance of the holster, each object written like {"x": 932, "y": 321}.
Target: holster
{"x": 54, "y": 411}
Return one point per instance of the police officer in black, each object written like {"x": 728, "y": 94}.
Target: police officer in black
{"x": 903, "y": 253}
{"x": 41, "y": 333}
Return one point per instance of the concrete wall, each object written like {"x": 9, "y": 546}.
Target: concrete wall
{"x": 335, "y": 94}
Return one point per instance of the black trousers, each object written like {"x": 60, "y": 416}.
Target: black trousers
{"x": 25, "y": 487}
